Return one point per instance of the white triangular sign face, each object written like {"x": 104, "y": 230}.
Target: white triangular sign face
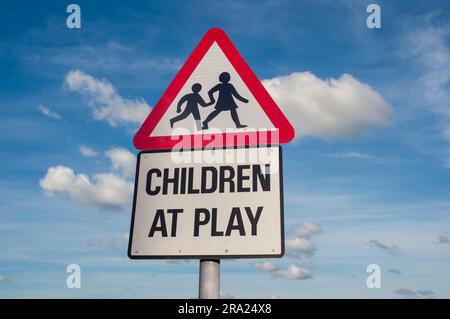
{"x": 207, "y": 75}
{"x": 216, "y": 96}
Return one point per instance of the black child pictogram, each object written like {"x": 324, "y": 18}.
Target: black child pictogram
{"x": 193, "y": 100}
{"x": 225, "y": 101}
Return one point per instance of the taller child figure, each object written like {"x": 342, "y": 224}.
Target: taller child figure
{"x": 225, "y": 101}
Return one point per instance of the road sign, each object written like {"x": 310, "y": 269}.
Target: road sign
{"x": 214, "y": 100}
{"x": 222, "y": 203}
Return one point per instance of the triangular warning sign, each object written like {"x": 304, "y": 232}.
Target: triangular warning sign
{"x": 215, "y": 100}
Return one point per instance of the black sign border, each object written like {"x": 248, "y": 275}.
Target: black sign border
{"x": 131, "y": 256}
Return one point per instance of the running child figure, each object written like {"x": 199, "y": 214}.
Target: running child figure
{"x": 193, "y": 100}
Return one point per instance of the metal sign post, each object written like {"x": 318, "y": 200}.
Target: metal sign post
{"x": 209, "y": 279}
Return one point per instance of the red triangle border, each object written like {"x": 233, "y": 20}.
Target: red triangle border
{"x": 285, "y": 133}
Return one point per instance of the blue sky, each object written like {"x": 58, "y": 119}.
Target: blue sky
{"x": 375, "y": 181}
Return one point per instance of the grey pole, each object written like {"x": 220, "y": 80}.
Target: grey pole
{"x": 209, "y": 279}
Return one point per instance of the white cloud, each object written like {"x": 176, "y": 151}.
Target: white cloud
{"x": 122, "y": 160}
{"x": 293, "y": 272}
{"x": 300, "y": 245}
{"x": 102, "y": 243}
{"x": 86, "y": 151}
{"x": 330, "y": 108}
{"x": 49, "y": 113}
{"x": 106, "y": 102}
{"x": 108, "y": 190}
{"x": 266, "y": 266}
{"x": 307, "y": 230}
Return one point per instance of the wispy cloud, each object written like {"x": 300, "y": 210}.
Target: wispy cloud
{"x": 351, "y": 155}
{"x": 126, "y": 238}
{"x": 391, "y": 250}
{"x": 295, "y": 248}
{"x": 307, "y": 230}
{"x": 7, "y": 226}
{"x": 110, "y": 55}
{"x": 87, "y": 151}
{"x": 395, "y": 271}
{"x": 415, "y": 294}
{"x": 425, "y": 45}
{"x": 330, "y": 108}
{"x": 103, "y": 243}
{"x": 49, "y": 113}
{"x": 225, "y": 295}
{"x": 299, "y": 245}
{"x": 106, "y": 103}
{"x": 443, "y": 239}
{"x": 293, "y": 272}
{"x": 3, "y": 279}
{"x": 405, "y": 292}
{"x": 266, "y": 266}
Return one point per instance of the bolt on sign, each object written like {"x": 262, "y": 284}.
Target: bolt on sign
{"x": 209, "y": 176}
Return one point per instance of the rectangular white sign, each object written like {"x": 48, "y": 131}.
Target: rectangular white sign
{"x": 222, "y": 203}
